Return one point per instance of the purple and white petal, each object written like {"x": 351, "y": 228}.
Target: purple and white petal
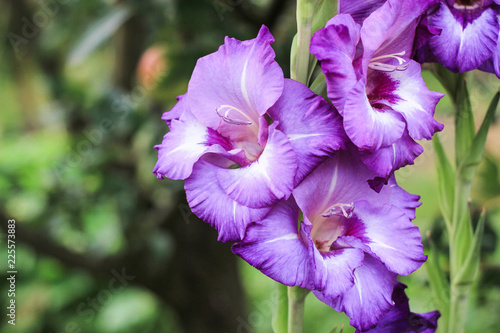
{"x": 268, "y": 179}
{"x": 468, "y": 37}
{"x": 343, "y": 179}
{"x": 238, "y": 83}
{"x": 187, "y": 140}
{"x": 177, "y": 111}
{"x": 390, "y": 30}
{"x": 335, "y": 47}
{"x": 400, "y": 198}
{"x": 359, "y": 9}
{"x": 211, "y": 204}
{"x": 402, "y": 254}
{"x": 313, "y": 127}
{"x": 273, "y": 246}
{"x": 384, "y": 161}
{"x": 416, "y": 102}
{"x": 370, "y": 126}
{"x": 340, "y": 265}
{"x": 399, "y": 318}
{"x": 370, "y": 296}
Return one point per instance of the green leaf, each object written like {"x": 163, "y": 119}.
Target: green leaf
{"x": 438, "y": 282}
{"x": 319, "y": 84}
{"x": 464, "y": 120}
{"x": 475, "y": 152}
{"x": 470, "y": 266}
{"x": 98, "y": 33}
{"x": 446, "y": 181}
{"x": 323, "y": 11}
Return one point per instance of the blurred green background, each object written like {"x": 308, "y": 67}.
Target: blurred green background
{"x": 102, "y": 245}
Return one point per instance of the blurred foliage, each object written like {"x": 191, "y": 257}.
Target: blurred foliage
{"x": 83, "y": 85}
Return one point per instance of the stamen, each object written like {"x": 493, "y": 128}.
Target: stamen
{"x": 340, "y": 209}
{"x": 227, "y": 119}
{"x": 377, "y": 65}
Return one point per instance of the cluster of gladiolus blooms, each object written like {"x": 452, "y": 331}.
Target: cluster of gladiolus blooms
{"x": 255, "y": 149}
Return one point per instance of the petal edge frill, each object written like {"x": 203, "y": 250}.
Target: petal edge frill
{"x": 402, "y": 254}
{"x": 312, "y": 126}
{"x": 186, "y": 142}
{"x": 268, "y": 179}
{"x": 416, "y": 102}
{"x": 335, "y": 47}
{"x": 242, "y": 78}
{"x": 211, "y": 204}
{"x": 274, "y": 247}
{"x": 363, "y": 303}
{"x": 366, "y": 127}
{"x": 465, "y": 41}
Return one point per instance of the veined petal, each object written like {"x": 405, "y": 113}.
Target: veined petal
{"x": 335, "y": 47}
{"x": 385, "y": 161}
{"x": 391, "y": 29}
{"x": 273, "y": 246}
{"x": 402, "y": 254}
{"x": 211, "y": 204}
{"x": 399, "y": 318}
{"x": 176, "y": 111}
{"x": 401, "y": 199}
{"x": 343, "y": 179}
{"x": 181, "y": 147}
{"x": 340, "y": 265}
{"x": 241, "y": 78}
{"x": 369, "y": 128}
{"x": 313, "y": 127}
{"x": 467, "y": 39}
{"x": 359, "y": 9}
{"x": 363, "y": 302}
{"x": 415, "y": 102}
{"x": 268, "y": 179}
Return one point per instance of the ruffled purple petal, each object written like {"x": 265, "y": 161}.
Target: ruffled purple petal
{"x": 384, "y": 161}
{"x": 399, "y": 318}
{"x": 210, "y": 203}
{"x": 273, "y": 246}
{"x": 391, "y": 30}
{"x": 312, "y": 126}
{"x": 335, "y": 47}
{"x": 416, "y": 102}
{"x": 340, "y": 265}
{"x": 343, "y": 178}
{"x": 241, "y": 78}
{"x": 370, "y": 127}
{"x": 268, "y": 179}
{"x": 359, "y": 9}
{"x": 468, "y": 37}
{"x": 187, "y": 140}
{"x": 370, "y": 296}
{"x": 402, "y": 254}
{"x": 400, "y": 198}
{"x": 176, "y": 111}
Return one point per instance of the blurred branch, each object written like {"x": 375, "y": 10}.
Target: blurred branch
{"x": 270, "y": 18}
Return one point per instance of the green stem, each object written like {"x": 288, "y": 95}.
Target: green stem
{"x": 280, "y": 315}
{"x": 296, "y": 301}
{"x": 305, "y": 13}
{"x": 458, "y": 308}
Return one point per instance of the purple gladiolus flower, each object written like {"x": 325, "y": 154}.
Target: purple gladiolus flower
{"x": 345, "y": 250}
{"x": 372, "y": 81}
{"x": 469, "y": 36}
{"x": 243, "y": 136}
{"x": 399, "y": 319}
